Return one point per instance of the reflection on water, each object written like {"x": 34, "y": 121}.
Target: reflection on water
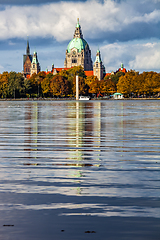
{"x": 95, "y": 158}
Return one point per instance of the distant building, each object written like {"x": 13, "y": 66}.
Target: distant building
{"x": 78, "y": 52}
{"x": 27, "y": 60}
{"x": 118, "y": 96}
{"x": 30, "y": 63}
{"x": 121, "y": 69}
{"x": 57, "y": 70}
{"x": 98, "y": 67}
{"x": 35, "y": 67}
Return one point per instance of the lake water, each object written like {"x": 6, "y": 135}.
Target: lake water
{"x": 80, "y": 170}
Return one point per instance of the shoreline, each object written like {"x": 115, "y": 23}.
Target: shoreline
{"x": 73, "y": 99}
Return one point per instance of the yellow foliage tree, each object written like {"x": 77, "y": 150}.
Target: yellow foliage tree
{"x": 59, "y": 86}
{"x": 4, "y": 84}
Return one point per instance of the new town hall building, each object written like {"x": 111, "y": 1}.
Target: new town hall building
{"x": 78, "y": 53}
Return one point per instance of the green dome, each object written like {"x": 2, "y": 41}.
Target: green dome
{"x": 77, "y": 43}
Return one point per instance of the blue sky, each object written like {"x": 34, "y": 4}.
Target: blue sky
{"x": 124, "y": 30}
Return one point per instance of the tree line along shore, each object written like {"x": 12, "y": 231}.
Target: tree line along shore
{"x": 63, "y": 85}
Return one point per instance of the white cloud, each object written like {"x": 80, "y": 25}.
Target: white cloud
{"x": 147, "y": 56}
{"x": 153, "y": 17}
{"x": 58, "y": 19}
{"x": 107, "y": 22}
{"x": 138, "y": 56}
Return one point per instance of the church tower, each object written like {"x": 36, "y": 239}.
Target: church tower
{"x": 27, "y": 60}
{"x": 98, "y": 67}
{"x": 35, "y": 67}
{"x": 78, "y": 52}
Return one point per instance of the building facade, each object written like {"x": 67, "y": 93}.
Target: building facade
{"x": 27, "y": 60}
{"x": 78, "y": 52}
{"x": 98, "y": 67}
{"x": 35, "y": 67}
{"x": 30, "y": 63}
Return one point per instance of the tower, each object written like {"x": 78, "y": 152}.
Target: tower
{"x": 27, "y": 60}
{"x": 35, "y": 67}
{"x": 98, "y": 67}
{"x": 78, "y": 52}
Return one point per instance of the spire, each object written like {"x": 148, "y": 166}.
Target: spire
{"x": 28, "y": 48}
{"x": 77, "y": 23}
{"x": 98, "y": 57}
{"x": 122, "y": 66}
{"x": 35, "y": 59}
{"x": 78, "y": 32}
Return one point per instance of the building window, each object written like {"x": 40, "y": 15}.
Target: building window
{"x": 74, "y": 60}
{"x": 33, "y": 65}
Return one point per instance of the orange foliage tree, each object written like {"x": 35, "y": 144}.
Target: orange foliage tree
{"x": 4, "y": 84}
{"x": 146, "y": 83}
{"x": 59, "y": 86}
{"x": 96, "y": 87}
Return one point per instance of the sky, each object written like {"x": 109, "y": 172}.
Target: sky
{"x": 123, "y": 30}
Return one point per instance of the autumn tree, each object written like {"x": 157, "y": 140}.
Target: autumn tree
{"x": 149, "y": 83}
{"x": 126, "y": 83}
{"x": 114, "y": 77}
{"x": 146, "y": 83}
{"x": 71, "y": 74}
{"x": 4, "y": 84}
{"x": 83, "y": 88}
{"x": 96, "y": 87}
{"x": 156, "y": 82}
{"x": 45, "y": 85}
{"x": 76, "y": 71}
{"x": 108, "y": 87}
{"x": 90, "y": 79}
{"x": 59, "y": 86}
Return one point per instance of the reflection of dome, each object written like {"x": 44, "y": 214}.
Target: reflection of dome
{"x": 77, "y": 43}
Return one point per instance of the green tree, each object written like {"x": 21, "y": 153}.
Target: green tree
{"x": 34, "y": 85}
{"x": 27, "y": 86}
{"x": 71, "y": 73}
{"x": 15, "y": 84}
{"x": 114, "y": 77}
{"x": 83, "y": 88}
{"x": 45, "y": 85}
